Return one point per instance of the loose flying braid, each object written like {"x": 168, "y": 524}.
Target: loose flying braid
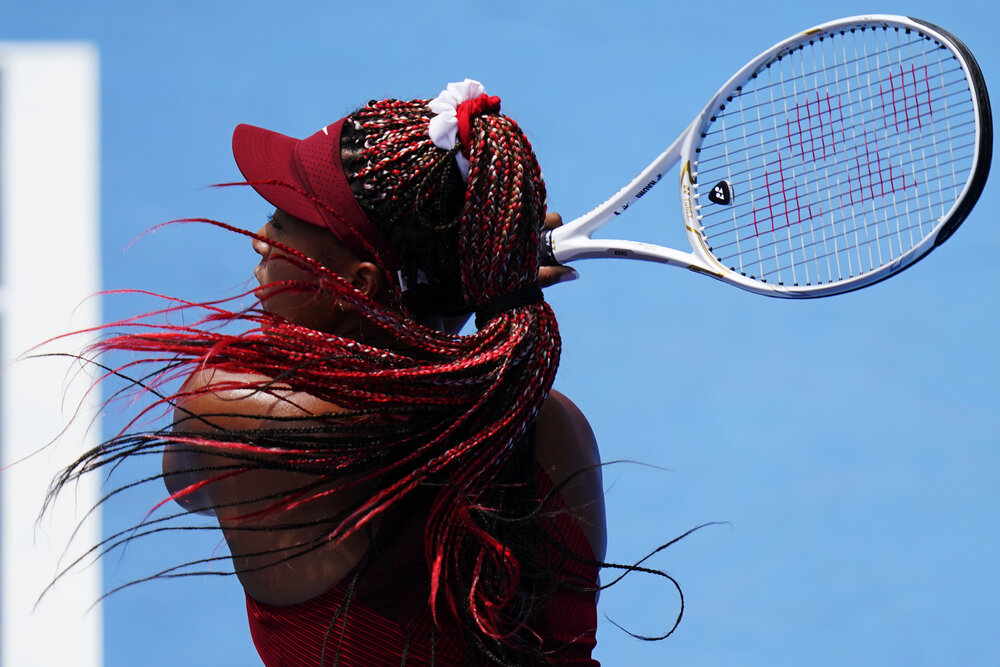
{"x": 438, "y": 411}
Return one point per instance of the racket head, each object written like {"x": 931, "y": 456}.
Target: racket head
{"x": 837, "y": 158}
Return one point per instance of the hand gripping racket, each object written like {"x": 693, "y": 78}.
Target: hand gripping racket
{"x": 833, "y": 160}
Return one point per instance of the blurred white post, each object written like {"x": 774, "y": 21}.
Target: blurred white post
{"x": 49, "y": 168}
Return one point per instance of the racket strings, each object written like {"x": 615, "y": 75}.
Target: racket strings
{"x": 827, "y": 69}
{"x": 842, "y": 156}
{"x": 908, "y": 178}
{"x": 822, "y": 249}
{"x": 772, "y": 138}
{"x": 769, "y": 141}
{"x": 903, "y": 159}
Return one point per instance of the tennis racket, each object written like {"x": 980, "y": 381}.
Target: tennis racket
{"x": 833, "y": 160}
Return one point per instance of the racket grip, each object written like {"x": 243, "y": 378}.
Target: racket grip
{"x": 546, "y": 253}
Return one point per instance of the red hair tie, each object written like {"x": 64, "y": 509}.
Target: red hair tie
{"x": 469, "y": 109}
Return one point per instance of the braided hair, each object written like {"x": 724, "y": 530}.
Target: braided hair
{"x": 465, "y": 246}
{"x": 455, "y": 414}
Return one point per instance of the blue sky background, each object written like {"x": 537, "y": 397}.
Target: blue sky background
{"x": 851, "y": 445}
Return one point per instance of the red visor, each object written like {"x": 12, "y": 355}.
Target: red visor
{"x": 305, "y": 179}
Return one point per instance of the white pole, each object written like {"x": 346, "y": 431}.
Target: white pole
{"x": 48, "y": 268}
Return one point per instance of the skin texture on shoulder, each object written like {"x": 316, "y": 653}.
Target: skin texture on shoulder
{"x": 261, "y": 541}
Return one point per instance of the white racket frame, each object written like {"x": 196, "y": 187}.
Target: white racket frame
{"x": 573, "y": 240}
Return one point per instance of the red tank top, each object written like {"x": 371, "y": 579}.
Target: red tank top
{"x": 388, "y": 614}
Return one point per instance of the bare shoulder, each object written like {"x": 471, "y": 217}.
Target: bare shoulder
{"x": 567, "y": 450}
{"x": 561, "y": 414}
{"x": 213, "y": 399}
{"x": 216, "y": 400}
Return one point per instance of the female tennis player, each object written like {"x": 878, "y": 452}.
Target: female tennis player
{"x": 391, "y": 492}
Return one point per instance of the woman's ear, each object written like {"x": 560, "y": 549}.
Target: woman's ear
{"x": 368, "y": 279}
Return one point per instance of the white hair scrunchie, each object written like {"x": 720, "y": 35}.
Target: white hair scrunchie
{"x": 444, "y": 126}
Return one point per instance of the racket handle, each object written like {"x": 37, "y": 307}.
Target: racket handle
{"x": 546, "y": 253}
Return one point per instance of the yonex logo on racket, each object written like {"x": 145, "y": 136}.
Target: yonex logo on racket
{"x": 722, "y": 193}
